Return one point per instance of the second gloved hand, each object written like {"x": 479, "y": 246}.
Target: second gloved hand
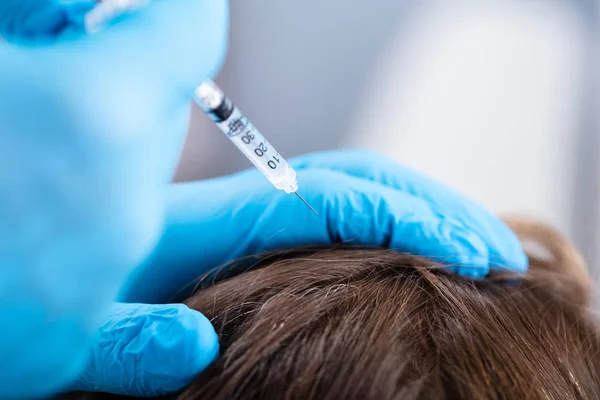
{"x": 362, "y": 197}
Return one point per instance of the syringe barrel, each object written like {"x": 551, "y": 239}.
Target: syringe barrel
{"x": 246, "y": 137}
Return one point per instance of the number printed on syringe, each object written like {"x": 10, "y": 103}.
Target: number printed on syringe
{"x": 241, "y": 130}
{"x": 247, "y": 139}
{"x": 261, "y": 148}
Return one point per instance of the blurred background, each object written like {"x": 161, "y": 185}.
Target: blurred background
{"x": 496, "y": 99}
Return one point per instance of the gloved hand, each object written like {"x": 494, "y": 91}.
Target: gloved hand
{"x": 148, "y": 350}
{"x": 91, "y": 129}
{"x": 362, "y": 197}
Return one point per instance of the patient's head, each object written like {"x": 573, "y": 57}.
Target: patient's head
{"x": 373, "y": 324}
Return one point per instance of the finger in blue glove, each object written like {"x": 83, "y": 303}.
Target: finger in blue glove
{"x": 148, "y": 350}
{"x": 503, "y": 247}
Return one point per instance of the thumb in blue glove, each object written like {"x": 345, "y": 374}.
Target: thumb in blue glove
{"x": 148, "y": 350}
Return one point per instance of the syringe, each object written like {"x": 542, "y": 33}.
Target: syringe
{"x": 213, "y": 101}
{"x": 247, "y": 138}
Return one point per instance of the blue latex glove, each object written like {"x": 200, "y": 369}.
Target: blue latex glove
{"x": 148, "y": 350}
{"x": 362, "y": 198}
{"x": 91, "y": 129}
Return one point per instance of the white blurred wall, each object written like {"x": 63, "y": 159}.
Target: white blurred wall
{"x": 487, "y": 98}
{"x": 488, "y": 101}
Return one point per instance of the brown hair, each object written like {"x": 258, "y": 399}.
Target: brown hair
{"x": 374, "y": 324}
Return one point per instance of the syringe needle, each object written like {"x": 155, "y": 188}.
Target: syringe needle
{"x": 308, "y": 205}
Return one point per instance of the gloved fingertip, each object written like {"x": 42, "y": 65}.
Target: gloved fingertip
{"x": 189, "y": 345}
{"x": 471, "y": 257}
{"x": 478, "y": 263}
{"x": 203, "y": 340}
{"x": 473, "y": 272}
{"x": 149, "y": 350}
{"x": 508, "y": 255}
{"x": 516, "y": 262}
